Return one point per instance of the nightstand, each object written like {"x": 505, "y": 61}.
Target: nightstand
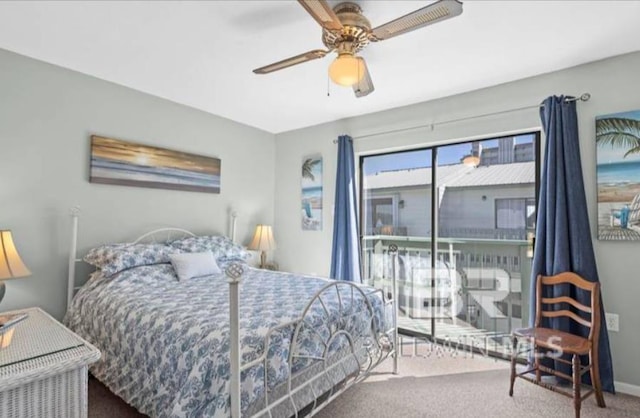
{"x": 43, "y": 372}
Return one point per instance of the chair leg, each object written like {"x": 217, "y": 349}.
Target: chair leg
{"x": 514, "y": 354}
{"x": 576, "y": 384}
{"x": 536, "y": 361}
{"x": 595, "y": 378}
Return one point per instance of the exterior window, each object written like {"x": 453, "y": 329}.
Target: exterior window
{"x": 531, "y": 213}
{"x": 381, "y": 215}
{"x": 516, "y": 213}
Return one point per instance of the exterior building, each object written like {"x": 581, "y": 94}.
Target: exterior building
{"x": 507, "y": 151}
{"x": 485, "y": 201}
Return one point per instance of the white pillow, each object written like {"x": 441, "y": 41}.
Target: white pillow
{"x": 190, "y": 265}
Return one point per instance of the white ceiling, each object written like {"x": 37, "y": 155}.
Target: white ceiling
{"x": 201, "y": 53}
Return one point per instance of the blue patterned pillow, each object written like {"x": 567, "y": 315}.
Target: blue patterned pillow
{"x": 223, "y": 248}
{"x": 114, "y": 258}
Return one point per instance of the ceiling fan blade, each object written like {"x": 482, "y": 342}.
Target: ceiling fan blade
{"x": 298, "y": 59}
{"x": 365, "y": 85}
{"x": 322, "y": 13}
{"x": 433, "y": 13}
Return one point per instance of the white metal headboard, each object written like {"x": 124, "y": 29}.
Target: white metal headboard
{"x": 163, "y": 235}
{"x": 155, "y": 236}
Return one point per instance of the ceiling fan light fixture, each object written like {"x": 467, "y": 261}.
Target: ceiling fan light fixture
{"x": 347, "y": 69}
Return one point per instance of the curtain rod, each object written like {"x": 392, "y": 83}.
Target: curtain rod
{"x": 583, "y": 98}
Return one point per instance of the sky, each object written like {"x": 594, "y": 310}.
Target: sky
{"x": 447, "y": 154}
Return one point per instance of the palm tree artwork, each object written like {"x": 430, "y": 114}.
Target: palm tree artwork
{"x": 618, "y": 172}
{"x": 308, "y": 166}
{"x": 619, "y": 133}
{"x": 312, "y": 193}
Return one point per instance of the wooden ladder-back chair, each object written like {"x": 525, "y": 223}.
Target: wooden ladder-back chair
{"x": 543, "y": 340}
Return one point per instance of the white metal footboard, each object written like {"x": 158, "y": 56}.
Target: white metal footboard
{"x": 349, "y": 354}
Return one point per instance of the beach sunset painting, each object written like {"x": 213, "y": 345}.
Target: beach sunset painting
{"x": 618, "y": 175}
{"x": 128, "y": 164}
{"x": 312, "y": 193}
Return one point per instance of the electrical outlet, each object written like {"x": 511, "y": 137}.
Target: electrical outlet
{"x": 613, "y": 322}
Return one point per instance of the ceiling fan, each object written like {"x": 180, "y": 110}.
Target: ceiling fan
{"x": 347, "y": 31}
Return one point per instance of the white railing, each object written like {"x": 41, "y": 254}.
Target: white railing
{"x": 481, "y": 282}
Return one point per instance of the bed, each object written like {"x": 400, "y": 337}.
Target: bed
{"x": 175, "y": 348}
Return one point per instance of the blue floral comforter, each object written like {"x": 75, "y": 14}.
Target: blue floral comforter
{"x": 164, "y": 342}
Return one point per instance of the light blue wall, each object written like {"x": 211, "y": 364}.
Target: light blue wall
{"x": 47, "y": 115}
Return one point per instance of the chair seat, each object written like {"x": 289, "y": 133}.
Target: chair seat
{"x": 553, "y": 339}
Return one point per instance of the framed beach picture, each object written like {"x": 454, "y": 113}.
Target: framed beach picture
{"x": 618, "y": 171}
{"x": 128, "y": 164}
{"x": 311, "y": 198}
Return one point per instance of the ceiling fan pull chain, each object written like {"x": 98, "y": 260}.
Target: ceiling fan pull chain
{"x": 360, "y": 74}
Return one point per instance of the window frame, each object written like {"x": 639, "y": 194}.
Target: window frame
{"x": 395, "y": 198}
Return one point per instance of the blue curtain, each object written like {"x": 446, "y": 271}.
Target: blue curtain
{"x": 345, "y": 254}
{"x": 563, "y": 235}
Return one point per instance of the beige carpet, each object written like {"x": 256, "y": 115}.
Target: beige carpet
{"x": 481, "y": 392}
{"x": 436, "y": 386}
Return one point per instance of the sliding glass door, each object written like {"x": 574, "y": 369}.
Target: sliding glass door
{"x": 460, "y": 217}
{"x": 396, "y": 211}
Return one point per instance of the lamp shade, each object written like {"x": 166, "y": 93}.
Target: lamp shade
{"x": 11, "y": 265}
{"x": 262, "y": 239}
{"x": 346, "y": 70}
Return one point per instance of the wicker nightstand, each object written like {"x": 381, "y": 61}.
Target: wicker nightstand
{"x": 43, "y": 373}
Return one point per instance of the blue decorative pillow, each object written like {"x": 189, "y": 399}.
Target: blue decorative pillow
{"x": 223, "y": 248}
{"x": 114, "y": 258}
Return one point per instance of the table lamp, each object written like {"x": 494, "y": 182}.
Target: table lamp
{"x": 11, "y": 265}
{"x": 262, "y": 241}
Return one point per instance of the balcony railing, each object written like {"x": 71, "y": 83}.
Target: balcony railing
{"x": 477, "y": 283}
{"x": 457, "y": 232}
{"x": 517, "y": 234}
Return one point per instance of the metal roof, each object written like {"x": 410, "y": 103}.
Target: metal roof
{"x": 456, "y": 175}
